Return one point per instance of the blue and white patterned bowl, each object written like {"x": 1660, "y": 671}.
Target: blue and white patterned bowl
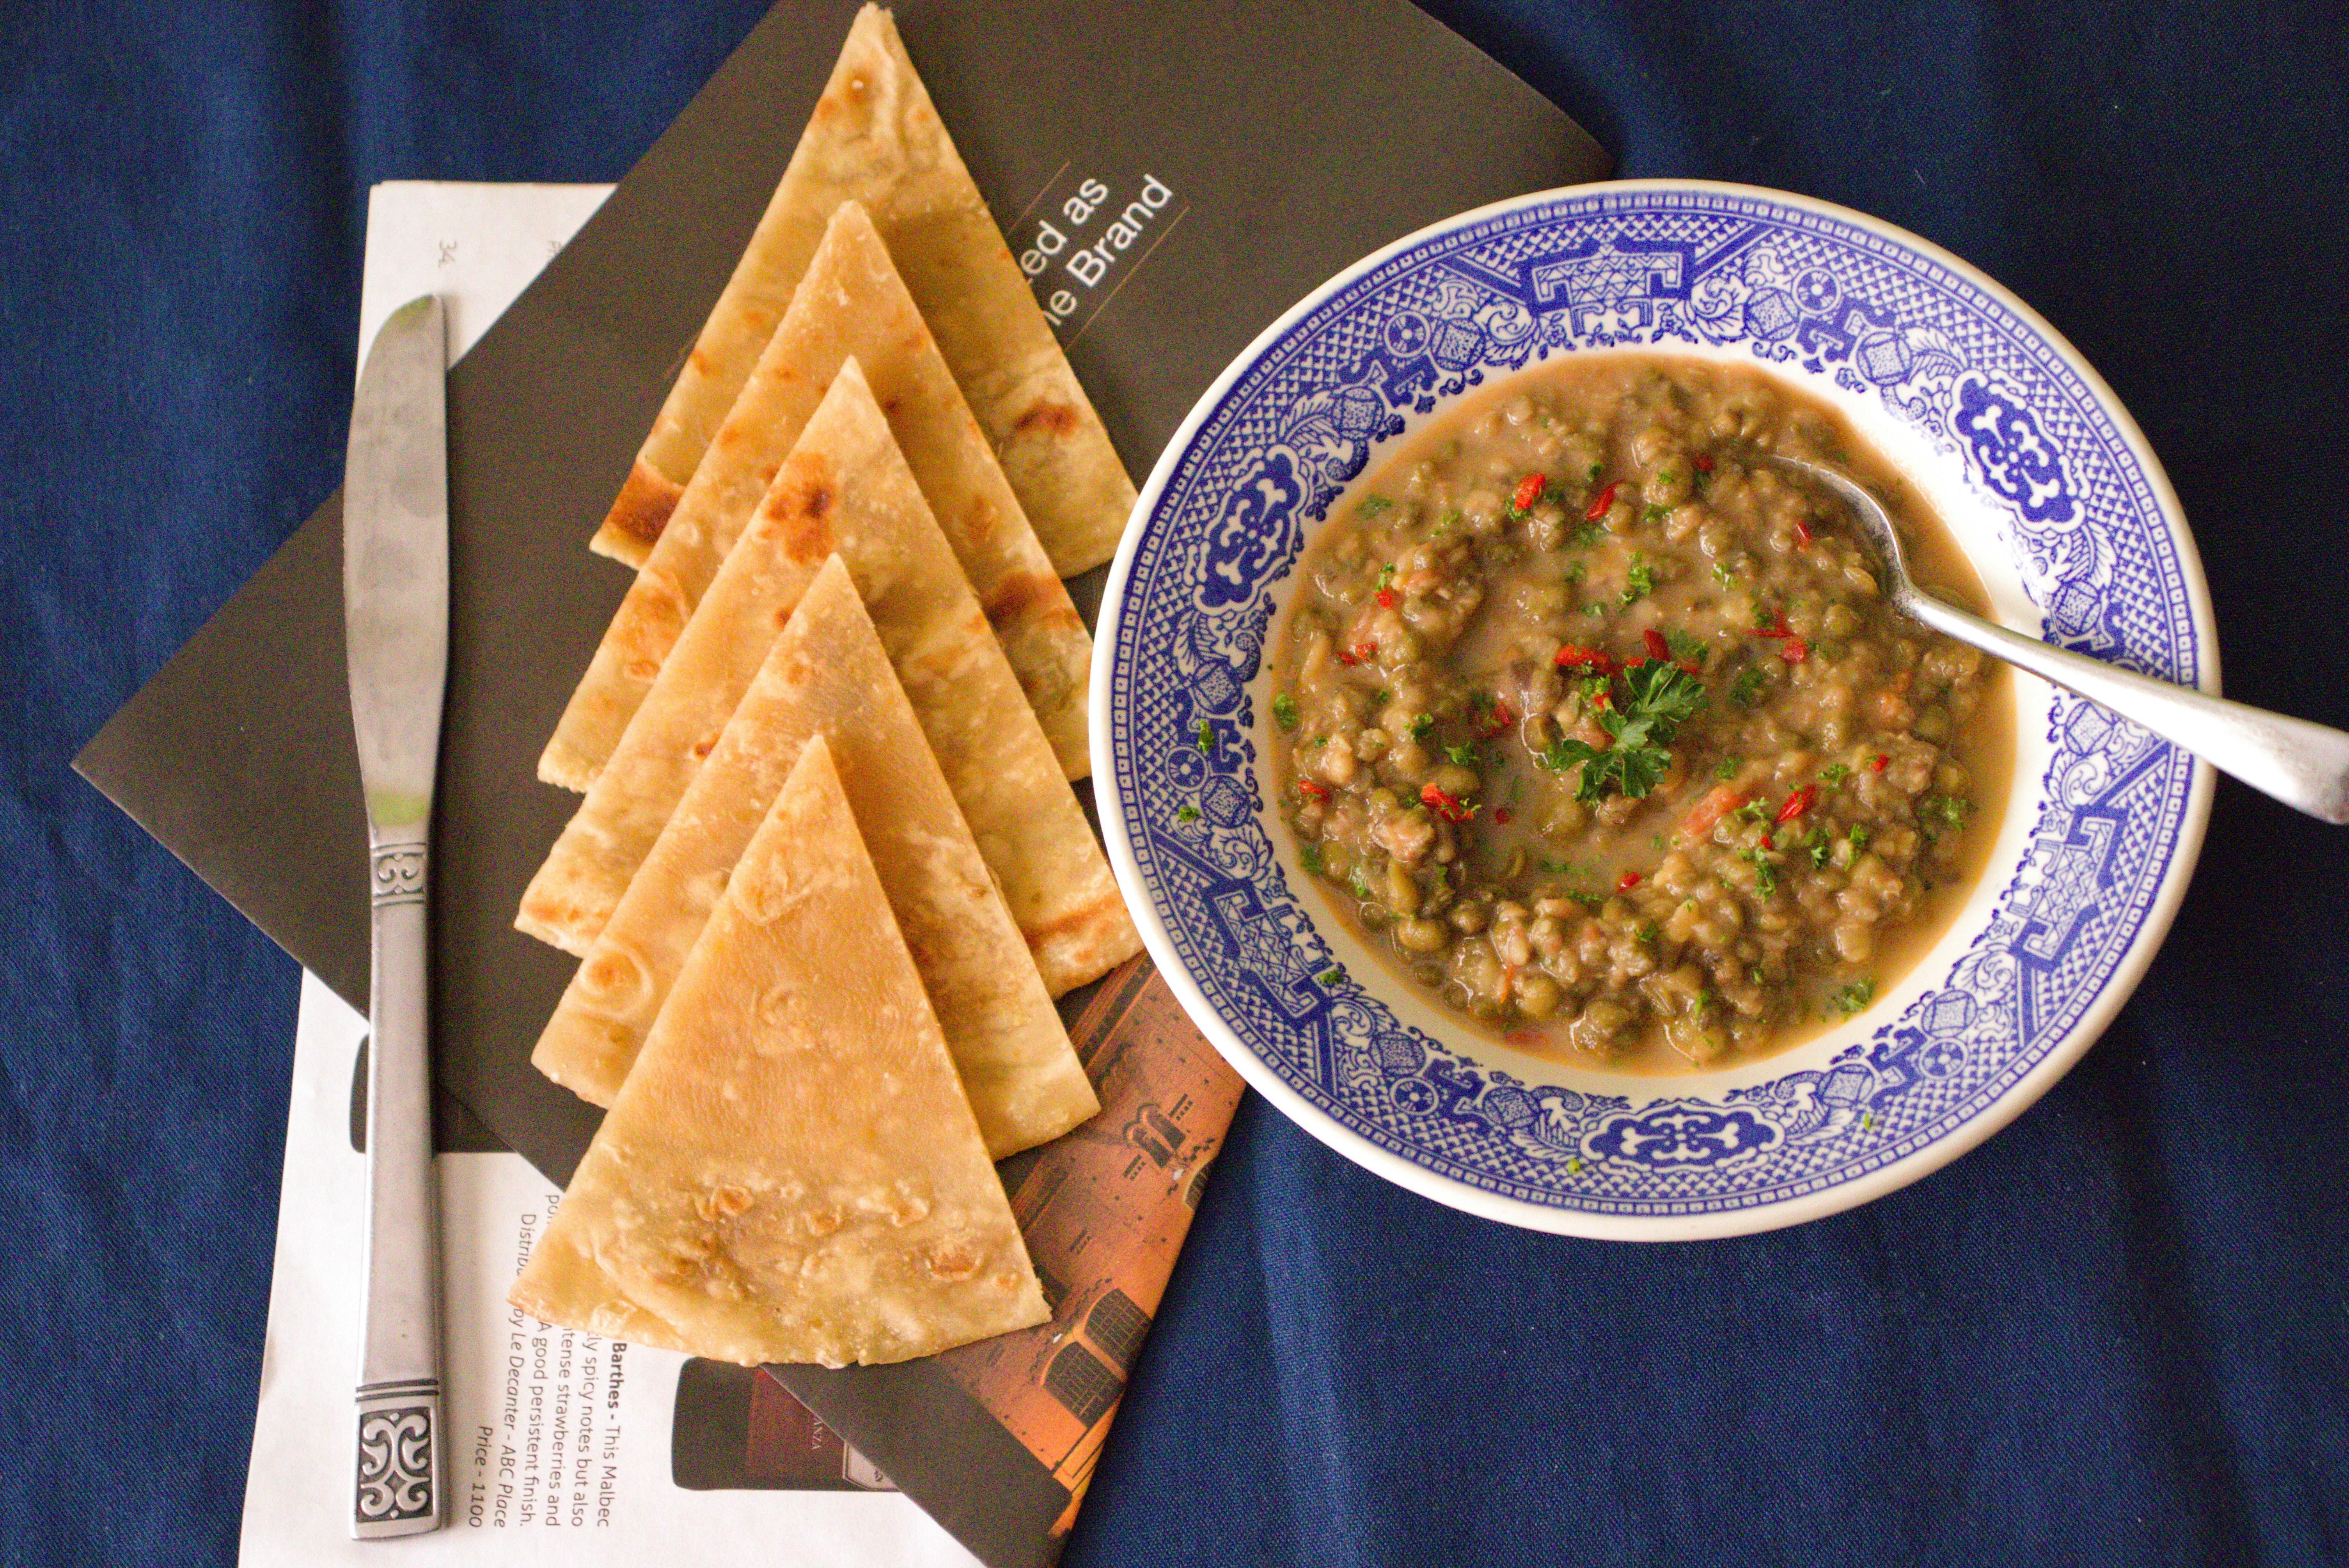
{"x": 2041, "y": 474}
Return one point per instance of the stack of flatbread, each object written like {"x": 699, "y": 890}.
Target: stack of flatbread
{"x": 829, "y": 872}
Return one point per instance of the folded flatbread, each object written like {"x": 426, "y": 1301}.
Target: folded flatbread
{"x": 850, "y": 303}
{"x": 846, "y": 489}
{"x": 875, "y": 138}
{"x": 829, "y": 675}
{"x": 790, "y": 1173}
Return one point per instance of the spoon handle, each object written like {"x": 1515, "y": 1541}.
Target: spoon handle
{"x": 2304, "y": 765}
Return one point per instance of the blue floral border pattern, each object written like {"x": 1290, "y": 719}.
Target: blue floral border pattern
{"x": 1812, "y": 296}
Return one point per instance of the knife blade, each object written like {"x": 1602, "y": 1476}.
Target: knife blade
{"x": 395, "y": 632}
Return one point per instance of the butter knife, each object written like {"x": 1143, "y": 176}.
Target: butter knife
{"x": 396, "y": 629}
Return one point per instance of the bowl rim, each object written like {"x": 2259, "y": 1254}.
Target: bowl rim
{"x": 2018, "y": 1096}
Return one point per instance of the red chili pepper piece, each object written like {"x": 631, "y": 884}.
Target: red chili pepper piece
{"x": 1502, "y": 814}
{"x": 1794, "y": 650}
{"x": 1575, "y": 654}
{"x": 1600, "y": 503}
{"x": 1312, "y": 790}
{"x": 1496, "y": 722}
{"x": 1627, "y": 882}
{"x": 1703, "y": 464}
{"x": 1350, "y": 658}
{"x": 1877, "y": 766}
{"x": 1386, "y": 597}
{"x": 1658, "y": 649}
{"x": 1802, "y": 530}
{"x": 1529, "y": 490}
{"x": 1776, "y": 628}
{"x": 1447, "y": 807}
{"x": 1768, "y": 843}
{"x": 1797, "y": 803}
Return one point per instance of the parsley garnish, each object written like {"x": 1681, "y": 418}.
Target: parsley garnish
{"x": 1373, "y": 504}
{"x": 1583, "y": 538}
{"x": 1819, "y": 847}
{"x": 1654, "y": 513}
{"x": 1835, "y": 774}
{"x": 1858, "y": 837}
{"x": 1187, "y": 814}
{"x": 1727, "y": 768}
{"x": 1463, "y": 756}
{"x": 1284, "y": 710}
{"x": 1765, "y": 619}
{"x": 1850, "y": 999}
{"x": 1723, "y": 575}
{"x": 1639, "y": 582}
{"x": 1419, "y": 726}
{"x": 1684, "y": 645}
{"x": 1746, "y": 690}
{"x": 1311, "y": 855}
{"x": 1765, "y": 875}
{"x": 1664, "y": 478}
{"x": 1205, "y": 737}
{"x": 1950, "y": 809}
{"x": 1661, "y": 699}
{"x": 1578, "y": 572}
{"x": 1386, "y": 574}
{"x": 1330, "y": 976}
{"x": 1595, "y": 472}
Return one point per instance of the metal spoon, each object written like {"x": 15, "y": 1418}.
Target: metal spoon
{"x": 2304, "y": 765}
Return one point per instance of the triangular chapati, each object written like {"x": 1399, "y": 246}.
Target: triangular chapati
{"x": 850, "y": 303}
{"x": 790, "y": 1173}
{"x": 828, "y": 674}
{"x": 875, "y": 138}
{"x": 846, "y": 489}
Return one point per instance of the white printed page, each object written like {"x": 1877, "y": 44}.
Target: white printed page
{"x": 558, "y": 1443}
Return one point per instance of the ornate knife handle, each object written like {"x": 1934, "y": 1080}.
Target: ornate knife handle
{"x": 398, "y": 1485}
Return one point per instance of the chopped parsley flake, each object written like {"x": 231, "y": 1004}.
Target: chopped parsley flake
{"x": 1462, "y": 756}
{"x": 1765, "y": 875}
{"x": 1850, "y": 999}
{"x": 1420, "y": 725}
{"x": 1684, "y": 645}
{"x": 1187, "y": 814}
{"x": 1819, "y": 847}
{"x": 1284, "y": 711}
{"x": 1654, "y": 513}
{"x": 1723, "y": 575}
{"x": 1836, "y": 773}
{"x": 1205, "y": 737}
{"x": 1747, "y": 689}
{"x": 1311, "y": 854}
{"x": 1727, "y": 768}
{"x": 1588, "y": 534}
{"x": 1386, "y": 574}
{"x": 1596, "y": 469}
{"x": 1330, "y": 976}
{"x": 1374, "y": 504}
{"x": 1578, "y": 572}
{"x": 1639, "y": 582}
{"x": 1858, "y": 837}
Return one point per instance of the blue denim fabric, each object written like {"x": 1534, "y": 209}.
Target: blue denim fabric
{"x": 2116, "y": 1334}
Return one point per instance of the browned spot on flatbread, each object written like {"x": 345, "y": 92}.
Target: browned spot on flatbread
{"x": 1019, "y": 595}
{"x": 1048, "y": 419}
{"x": 645, "y": 501}
{"x": 806, "y": 536}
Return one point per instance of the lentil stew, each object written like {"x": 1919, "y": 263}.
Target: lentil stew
{"x": 1597, "y": 723}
